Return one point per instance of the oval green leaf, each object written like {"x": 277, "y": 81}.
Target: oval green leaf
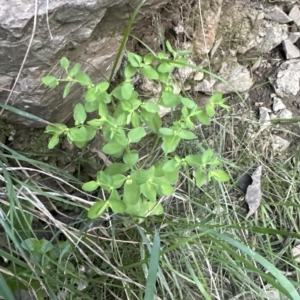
{"x": 98, "y": 209}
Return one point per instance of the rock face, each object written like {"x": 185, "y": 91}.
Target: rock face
{"x": 85, "y": 31}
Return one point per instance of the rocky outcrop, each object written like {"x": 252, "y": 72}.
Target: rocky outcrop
{"x": 85, "y": 31}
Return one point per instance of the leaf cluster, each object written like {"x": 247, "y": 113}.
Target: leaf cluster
{"x": 125, "y": 118}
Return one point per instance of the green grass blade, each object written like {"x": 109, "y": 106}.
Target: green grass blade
{"x": 284, "y": 286}
{"x": 125, "y": 37}
{"x": 153, "y": 266}
{"x": 23, "y": 114}
{"x": 5, "y": 291}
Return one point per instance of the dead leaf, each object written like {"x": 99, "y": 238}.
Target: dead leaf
{"x": 102, "y": 156}
{"x": 253, "y": 194}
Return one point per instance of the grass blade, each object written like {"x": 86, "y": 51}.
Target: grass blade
{"x": 125, "y": 37}
{"x": 285, "y": 287}
{"x": 153, "y": 266}
{"x": 5, "y": 291}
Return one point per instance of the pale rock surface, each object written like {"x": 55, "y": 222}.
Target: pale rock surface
{"x": 287, "y": 78}
{"x": 291, "y": 51}
{"x": 276, "y": 14}
{"x": 85, "y": 31}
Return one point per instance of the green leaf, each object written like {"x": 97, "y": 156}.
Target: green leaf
{"x": 203, "y": 117}
{"x": 102, "y": 109}
{"x": 105, "y": 97}
{"x": 210, "y": 110}
{"x": 83, "y": 79}
{"x": 91, "y": 106}
{"x": 131, "y": 192}
{"x": 126, "y": 90}
{"x": 162, "y": 55}
{"x": 116, "y": 168}
{"x": 97, "y": 209}
{"x": 41, "y": 246}
{"x": 149, "y": 208}
{"x": 77, "y": 134}
{"x": 180, "y": 62}
{"x": 96, "y": 122}
{"x": 165, "y": 189}
{"x": 75, "y": 70}
{"x": 91, "y": 94}
{"x": 91, "y": 132}
{"x": 90, "y": 186}
{"x": 186, "y": 135}
{"x": 200, "y": 177}
{"x": 148, "y": 58}
{"x": 117, "y": 180}
{"x": 80, "y": 145}
{"x": 188, "y": 103}
{"x": 149, "y": 72}
{"x": 141, "y": 176}
{"x": 120, "y": 137}
{"x": 169, "y": 47}
{"x": 166, "y": 131}
{"x": 131, "y": 158}
{"x": 172, "y": 177}
{"x": 79, "y": 114}
{"x": 129, "y": 71}
{"x": 112, "y": 148}
{"x": 134, "y": 59}
{"x": 151, "y": 107}
{"x": 136, "y": 134}
{"x": 152, "y": 120}
{"x": 50, "y": 81}
{"x": 57, "y": 128}
{"x": 183, "y": 52}
{"x": 171, "y": 166}
{"x": 170, "y": 143}
{"x": 149, "y": 191}
{"x": 169, "y": 99}
{"x": 165, "y": 67}
{"x": 164, "y": 77}
{"x": 216, "y": 98}
{"x": 102, "y": 86}
{"x": 53, "y": 141}
{"x": 64, "y": 63}
{"x": 135, "y": 119}
{"x": 206, "y": 157}
{"x": 117, "y": 206}
{"x": 194, "y": 160}
{"x": 219, "y": 175}
{"x": 67, "y": 90}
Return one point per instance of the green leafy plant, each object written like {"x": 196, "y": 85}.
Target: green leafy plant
{"x": 125, "y": 119}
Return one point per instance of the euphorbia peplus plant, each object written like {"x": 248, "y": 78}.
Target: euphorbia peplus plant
{"x": 132, "y": 187}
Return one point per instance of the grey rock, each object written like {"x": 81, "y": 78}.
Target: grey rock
{"x": 236, "y": 75}
{"x": 85, "y": 31}
{"x": 271, "y": 35}
{"x": 205, "y": 86}
{"x": 295, "y": 15}
{"x": 279, "y": 143}
{"x": 285, "y": 114}
{"x": 294, "y": 36}
{"x": 287, "y": 79}
{"x": 277, "y": 103}
{"x": 291, "y": 51}
{"x": 274, "y": 13}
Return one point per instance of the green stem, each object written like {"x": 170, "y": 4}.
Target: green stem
{"x": 151, "y": 152}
